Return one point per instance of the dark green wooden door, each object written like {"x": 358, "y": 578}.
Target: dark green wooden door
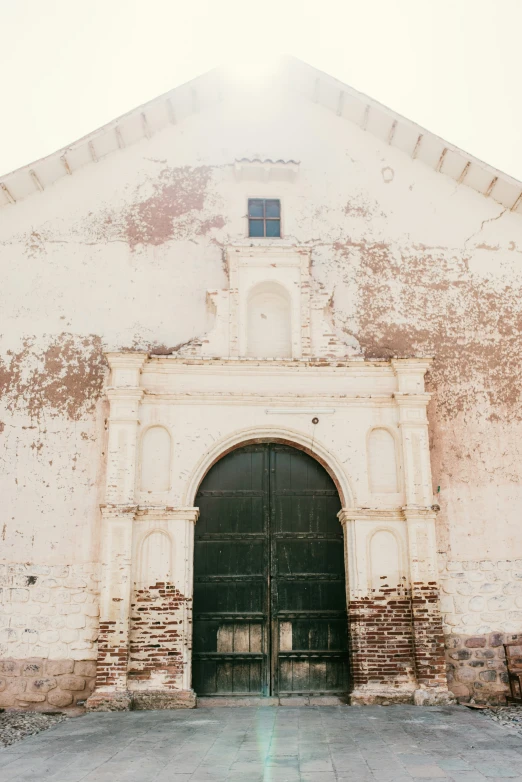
{"x": 269, "y": 582}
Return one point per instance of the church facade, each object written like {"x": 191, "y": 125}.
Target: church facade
{"x": 260, "y": 408}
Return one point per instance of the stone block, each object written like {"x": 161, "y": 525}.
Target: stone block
{"x": 40, "y": 595}
{"x": 7, "y": 699}
{"x": 41, "y": 685}
{"x": 475, "y": 576}
{"x": 67, "y": 609}
{"x": 58, "y": 667}
{"x": 498, "y": 603}
{"x": 109, "y": 701}
{"x": 477, "y": 603}
{"x": 461, "y": 654}
{"x": 475, "y": 642}
{"x": 89, "y": 634}
{"x": 73, "y": 582}
{"x": 19, "y": 595}
{"x": 3, "y": 683}
{"x": 489, "y": 587}
{"x": 487, "y": 564}
{"x": 484, "y": 654}
{"x": 75, "y": 621}
{"x": 49, "y": 636}
{"x": 31, "y": 697}
{"x": 69, "y": 681}
{"x": 91, "y": 609}
{"x": 470, "y": 565}
{"x": 453, "y": 565}
{"x": 84, "y": 654}
{"x": 466, "y": 674}
{"x": 464, "y": 588}
{"x": 81, "y": 597}
{"x": 60, "y": 571}
{"x": 16, "y": 685}
{"x": 505, "y": 564}
{"x": 60, "y": 698}
{"x": 8, "y": 635}
{"x": 32, "y": 668}
{"x": 516, "y": 616}
{"x": 10, "y": 667}
{"x": 68, "y": 635}
{"x": 84, "y": 668}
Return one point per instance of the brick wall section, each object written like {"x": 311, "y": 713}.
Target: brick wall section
{"x": 428, "y": 637}
{"x": 156, "y": 637}
{"x": 42, "y": 685}
{"x": 113, "y": 659}
{"x": 382, "y": 639}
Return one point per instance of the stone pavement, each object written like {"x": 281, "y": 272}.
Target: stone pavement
{"x": 311, "y": 744}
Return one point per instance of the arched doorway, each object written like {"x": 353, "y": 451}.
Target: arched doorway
{"x": 269, "y": 580}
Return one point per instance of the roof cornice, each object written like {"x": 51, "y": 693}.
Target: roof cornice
{"x": 206, "y": 90}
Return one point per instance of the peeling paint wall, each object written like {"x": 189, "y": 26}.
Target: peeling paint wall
{"x": 121, "y": 255}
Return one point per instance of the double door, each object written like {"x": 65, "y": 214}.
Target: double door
{"x": 269, "y": 582}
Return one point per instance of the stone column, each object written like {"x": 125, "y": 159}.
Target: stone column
{"x": 161, "y": 625}
{"x": 118, "y": 514}
{"x": 379, "y": 608}
{"x": 428, "y": 639}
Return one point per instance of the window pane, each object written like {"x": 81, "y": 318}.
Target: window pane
{"x": 273, "y": 208}
{"x": 273, "y": 228}
{"x": 255, "y": 207}
{"x": 255, "y": 228}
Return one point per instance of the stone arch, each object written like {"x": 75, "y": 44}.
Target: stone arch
{"x": 269, "y": 321}
{"x": 382, "y": 454}
{"x": 264, "y": 434}
{"x": 155, "y": 459}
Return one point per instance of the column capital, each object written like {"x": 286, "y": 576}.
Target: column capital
{"x": 126, "y": 369}
{"x": 118, "y": 511}
{"x": 167, "y": 513}
{"x": 370, "y": 514}
{"x": 420, "y": 513}
{"x": 126, "y": 360}
{"x": 410, "y": 373}
{"x": 125, "y": 392}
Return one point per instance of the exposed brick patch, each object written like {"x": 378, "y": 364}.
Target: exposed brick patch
{"x": 428, "y": 638}
{"x": 113, "y": 657}
{"x": 156, "y": 636}
{"x": 382, "y": 639}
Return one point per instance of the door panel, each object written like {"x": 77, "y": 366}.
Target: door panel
{"x": 269, "y": 583}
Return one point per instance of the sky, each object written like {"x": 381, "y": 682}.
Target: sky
{"x": 69, "y": 66}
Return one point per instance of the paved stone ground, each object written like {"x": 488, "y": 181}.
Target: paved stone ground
{"x": 310, "y": 744}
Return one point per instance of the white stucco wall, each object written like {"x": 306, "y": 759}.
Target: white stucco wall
{"x": 121, "y": 255}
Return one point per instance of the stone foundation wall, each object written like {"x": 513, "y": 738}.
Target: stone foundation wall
{"x": 481, "y": 604}
{"x": 45, "y": 684}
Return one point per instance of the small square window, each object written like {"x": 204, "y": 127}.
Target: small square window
{"x": 264, "y": 217}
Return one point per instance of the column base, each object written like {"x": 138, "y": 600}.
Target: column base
{"x": 146, "y": 700}
{"x": 381, "y": 696}
{"x": 436, "y": 696}
{"x": 119, "y": 700}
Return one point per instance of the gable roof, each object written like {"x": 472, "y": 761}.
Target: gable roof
{"x": 194, "y": 96}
